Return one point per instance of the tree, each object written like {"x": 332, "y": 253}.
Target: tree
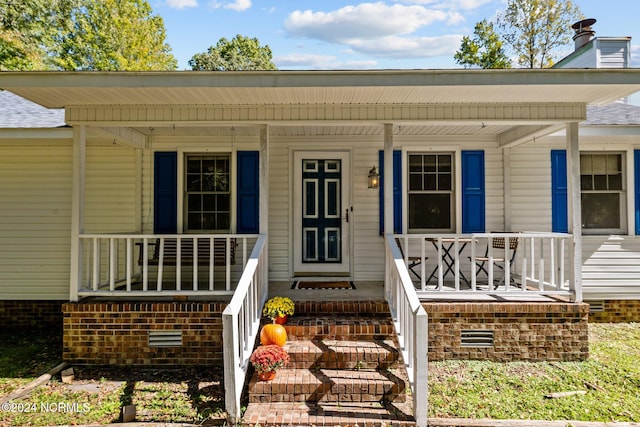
{"x": 114, "y": 35}
{"x": 534, "y": 29}
{"x": 82, "y": 35}
{"x": 239, "y": 54}
{"x": 27, "y": 31}
{"x": 484, "y": 50}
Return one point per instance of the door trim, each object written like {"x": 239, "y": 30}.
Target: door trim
{"x": 337, "y": 269}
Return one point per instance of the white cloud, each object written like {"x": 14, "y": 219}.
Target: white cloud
{"x": 308, "y": 61}
{"x": 408, "y": 47}
{"x": 181, "y": 4}
{"x": 366, "y": 20}
{"x": 237, "y": 5}
{"x": 450, "y": 4}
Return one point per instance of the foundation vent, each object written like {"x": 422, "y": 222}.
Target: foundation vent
{"x": 596, "y": 306}
{"x": 165, "y": 338}
{"x": 476, "y": 338}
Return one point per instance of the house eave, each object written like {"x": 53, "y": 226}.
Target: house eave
{"x": 64, "y": 89}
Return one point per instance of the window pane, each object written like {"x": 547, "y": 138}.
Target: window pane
{"x": 586, "y": 183}
{"x": 193, "y": 166}
{"x": 444, "y": 163}
{"x": 224, "y": 202}
{"x": 444, "y": 182}
{"x": 195, "y": 222}
{"x": 430, "y": 211}
{"x": 599, "y": 164}
{"x": 195, "y": 202}
{"x": 615, "y": 182}
{"x": 224, "y": 222}
{"x": 193, "y": 182}
{"x": 209, "y": 202}
{"x": 600, "y": 182}
{"x": 415, "y": 163}
{"x": 430, "y": 182}
{"x": 415, "y": 182}
{"x": 600, "y": 210}
{"x": 430, "y": 163}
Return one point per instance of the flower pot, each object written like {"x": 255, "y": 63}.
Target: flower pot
{"x": 266, "y": 376}
{"x": 281, "y": 320}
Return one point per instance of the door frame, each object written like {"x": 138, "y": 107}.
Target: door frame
{"x": 344, "y": 268}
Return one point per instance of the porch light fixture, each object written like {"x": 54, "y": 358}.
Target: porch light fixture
{"x": 374, "y": 178}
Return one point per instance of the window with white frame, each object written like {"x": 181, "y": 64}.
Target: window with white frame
{"x": 431, "y": 195}
{"x": 207, "y": 192}
{"x": 603, "y": 193}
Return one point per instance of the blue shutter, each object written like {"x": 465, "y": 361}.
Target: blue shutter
{"x": 559, "y": 210}
{"x": 636, "y": 190}
{"x": 165, "y": 193}
{"x": 397, "y": 191}
{"x": 473, "y": 192}
{"x": 248, "y": 197}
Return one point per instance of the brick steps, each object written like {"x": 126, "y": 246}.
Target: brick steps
{"x": 345, "y": 327}
{"x": 328, "y": 385}
{"x": 344, "y": 370}
{"x": 335, "y": 354}
{"x": 296, "y": 414}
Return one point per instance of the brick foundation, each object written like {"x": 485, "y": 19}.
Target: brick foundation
{"x": 118, "y": 333}
{"x": 617, "y": 311}
{"x": 522, "y": 331}
{"x": 31, "y": 314}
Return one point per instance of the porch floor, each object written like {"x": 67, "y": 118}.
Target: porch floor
{"x": 373, "y": 290}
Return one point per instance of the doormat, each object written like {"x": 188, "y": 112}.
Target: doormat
{"x": 323, "y": 285}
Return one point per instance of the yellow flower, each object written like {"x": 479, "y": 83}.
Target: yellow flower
{"x": 278, "y": 306}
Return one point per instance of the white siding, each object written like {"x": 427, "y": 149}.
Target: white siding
{"x": 35, "y": 189}
{"x": 531, "y": 188}
{"x": 614, "y": 54}
{"x": 35, "y": 213}
{"x": 110, "y": 190}
{"x": 611, "y": 267}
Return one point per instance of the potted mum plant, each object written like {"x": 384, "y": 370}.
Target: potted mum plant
{"x": 267, "y": 359}
{"x": 278, "y": 309}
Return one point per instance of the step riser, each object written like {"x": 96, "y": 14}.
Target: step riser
{"x": 341, "y": 307}
{"x": 292, "y": 385}
{"x": 327, "y": 394}
{"x": 347, "y": 355}
{"x": 315, "y": 328}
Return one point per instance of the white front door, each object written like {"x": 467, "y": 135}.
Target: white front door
{"x": 321, "y": 212}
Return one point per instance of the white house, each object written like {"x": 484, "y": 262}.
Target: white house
{"x": 174, "y": 196}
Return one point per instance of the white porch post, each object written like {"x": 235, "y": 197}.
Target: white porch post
{"x": 388, "y": 178}
{"x": 574, "y": 204}
{"x": 77, "y": 208}
{"x": 264, "y": 196}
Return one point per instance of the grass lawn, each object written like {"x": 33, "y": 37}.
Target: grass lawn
{"x": 517, "y": 390}
{"x": 460, "y": 389}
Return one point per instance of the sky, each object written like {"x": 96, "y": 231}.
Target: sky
{"x": 384, "y": 34}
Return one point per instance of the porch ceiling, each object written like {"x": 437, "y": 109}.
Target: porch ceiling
{"x": 334, "y": 130}
{"x": 372, "y": 87}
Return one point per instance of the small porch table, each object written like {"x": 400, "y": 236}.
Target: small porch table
{"x": 449, "y": 258}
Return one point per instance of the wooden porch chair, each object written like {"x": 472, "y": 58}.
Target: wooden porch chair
{"x": 412, "y": 261}
{"x": 498, "y": 261}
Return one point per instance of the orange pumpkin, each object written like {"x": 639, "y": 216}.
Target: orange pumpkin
{"x": 273, "y": 333}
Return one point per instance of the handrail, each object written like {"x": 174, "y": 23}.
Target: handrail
{"x": 241, "y": 324}
{"x": 410, "y": 323}
{"x": 114, "y": 262}
{"x": 456, "y": 264}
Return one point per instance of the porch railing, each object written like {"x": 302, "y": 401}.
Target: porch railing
{"x": 410, "y": 322}
{"x": 241, "y": 324}
{"x": 142, "y": 264}
{"x": 475, "y": 263}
